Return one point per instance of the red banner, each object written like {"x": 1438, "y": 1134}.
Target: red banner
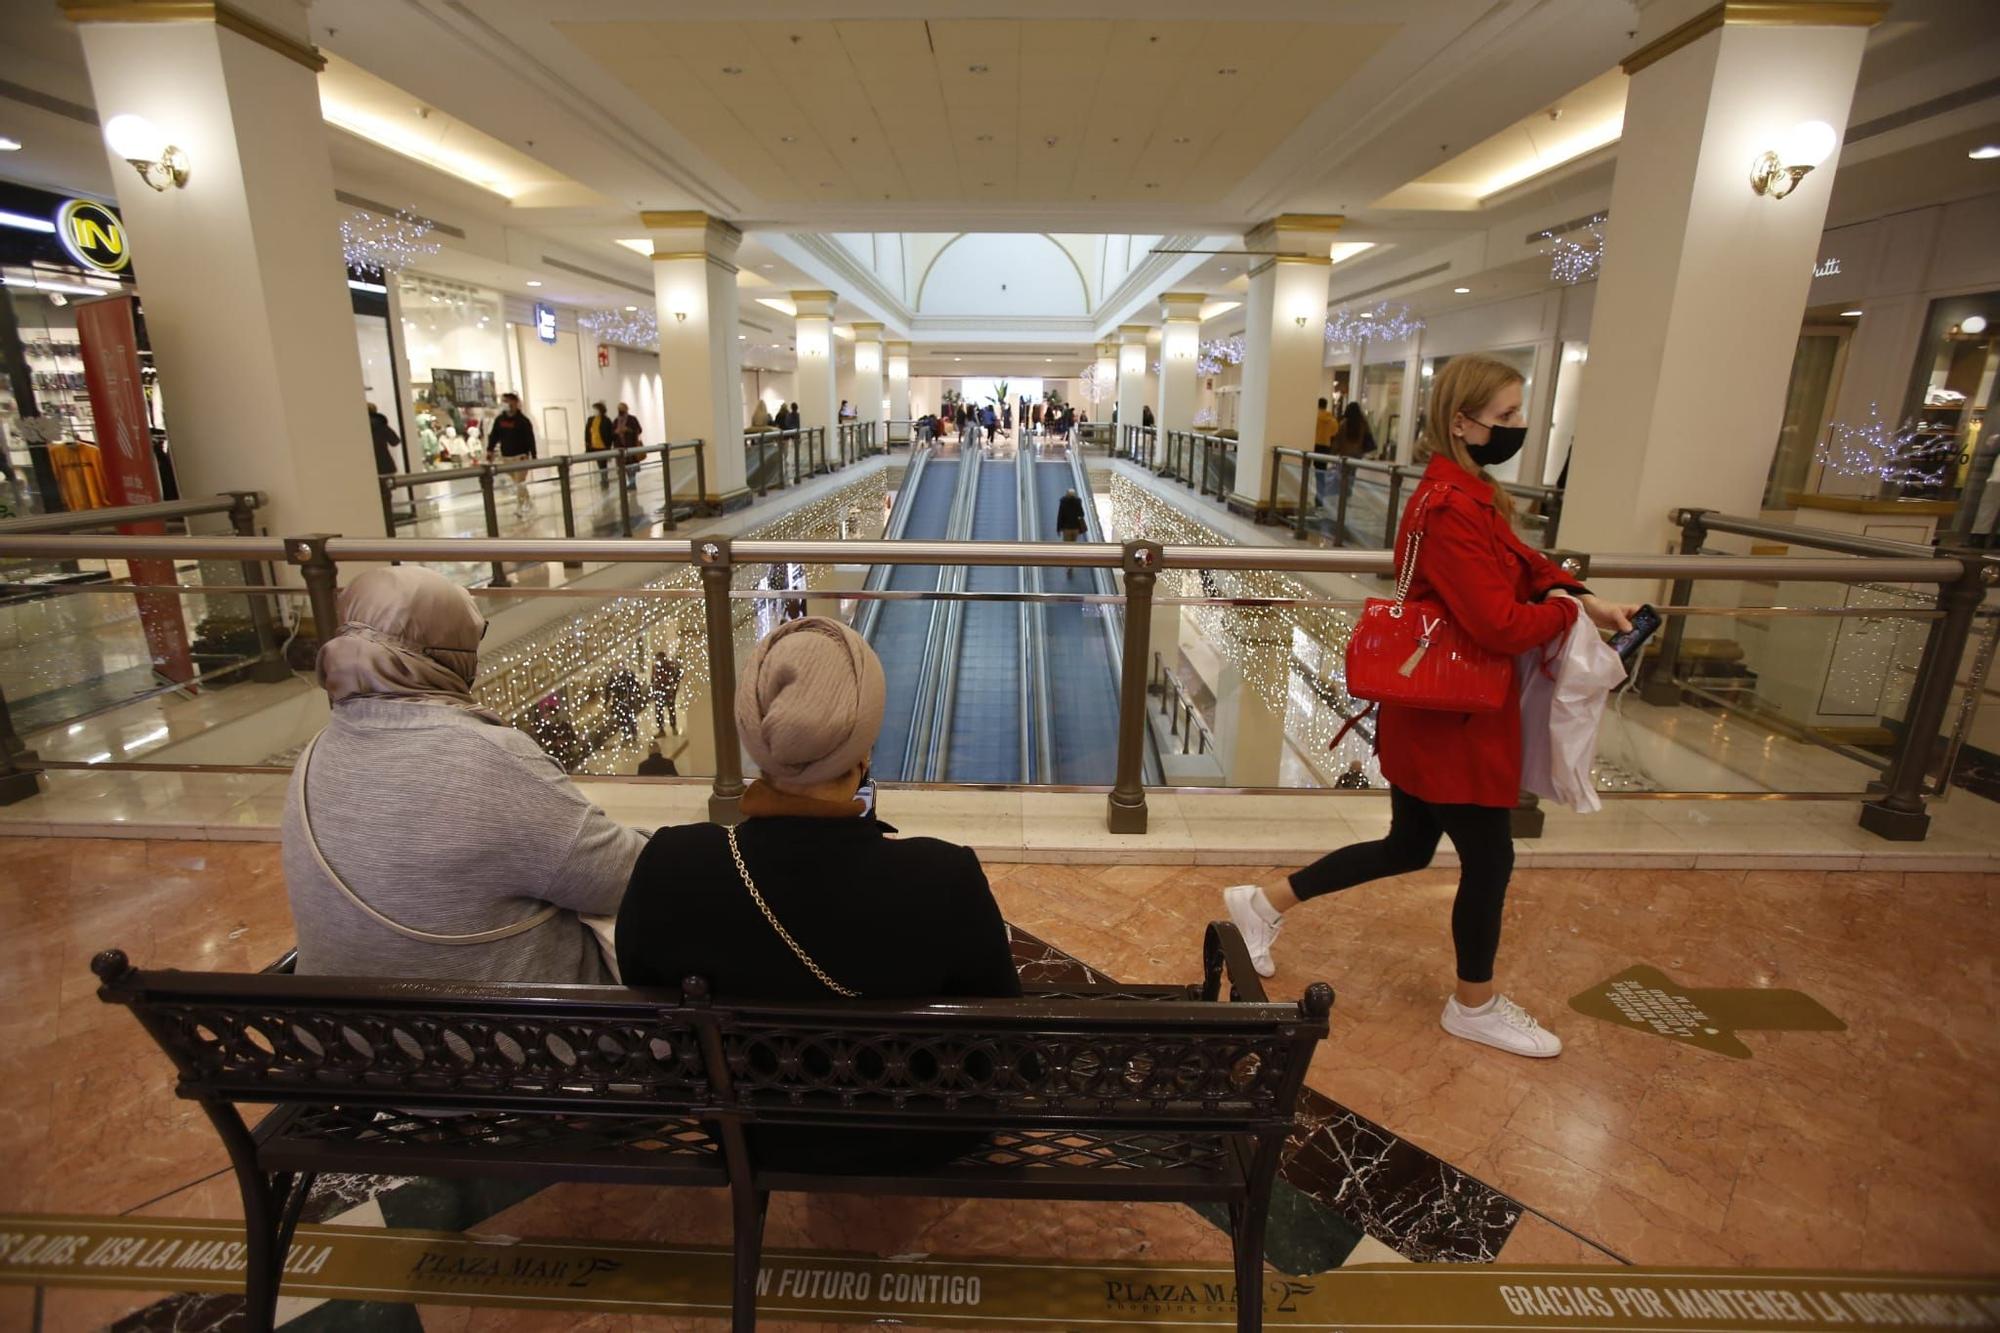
{"x": 110, "y": 341}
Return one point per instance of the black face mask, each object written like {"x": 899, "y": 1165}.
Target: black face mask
{"x": 1502, "y": 443}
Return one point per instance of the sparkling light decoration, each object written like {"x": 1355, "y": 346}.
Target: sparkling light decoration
{"x": 372, "y": 243}
{"x": 1213, "y": 355}
{"x": 1911, "y": 456}
{"x": 1291, "y": 657}
{"x": 1097, "y": 382}
{"x": 1575, "y": 255}
{"x": 1384, "y": 322}
{"x": 554, "y": 685}
{"x": 638, "y": 329}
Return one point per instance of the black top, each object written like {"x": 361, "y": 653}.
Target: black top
{"x": 513, "y": 436}
{"x": 1069, "y": 514}
{"x": 892, "y": 918}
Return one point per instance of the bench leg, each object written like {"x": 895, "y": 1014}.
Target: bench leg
{"x": 1247, "y": 1228}
{"x": 266, "y": 1201}
{"x": 749, "y": 1206}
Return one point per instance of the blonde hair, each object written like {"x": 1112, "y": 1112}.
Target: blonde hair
{"x": 1464, "y": 386}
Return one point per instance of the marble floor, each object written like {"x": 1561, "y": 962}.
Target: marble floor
{"x": 1866, "y": 1148}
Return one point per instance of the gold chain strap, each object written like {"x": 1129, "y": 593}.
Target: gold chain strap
{"x": 736, "y": 854}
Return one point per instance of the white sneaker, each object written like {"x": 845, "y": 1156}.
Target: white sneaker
{"x": 1502, "y": 1024}
{"x": 1259, "y": 934}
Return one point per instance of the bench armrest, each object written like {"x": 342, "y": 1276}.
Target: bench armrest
{"x": 1224, "y": 953}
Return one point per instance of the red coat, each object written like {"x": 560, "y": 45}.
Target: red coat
{"x": 1473, "y": 563}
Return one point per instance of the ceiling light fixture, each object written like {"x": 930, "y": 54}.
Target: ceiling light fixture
{"x": 1974, "y": 324}
{"x": 1460, "y": 291}
{"x": 8, "y": 145}
{"x": 1227, "y": 69}
{"x": 631, "y": 307}
{"x": 732, "y": 69}
{"x": 158, "y": 162}
{"x": 534, "y": 282}
{"x": 1182, "y": 138}
{"x": 1850, "y": 314}
{"x": 1777, "y": 172}
{"x": 1986, "y": 152}
{"x": 976, "y": 69}
{"x": 788, "y": 138}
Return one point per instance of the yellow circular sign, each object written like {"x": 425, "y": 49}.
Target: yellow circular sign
{"x": 93, "y": 236}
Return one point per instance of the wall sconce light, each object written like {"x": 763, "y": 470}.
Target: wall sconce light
{"x": 1776, "y": 173}
{"x": 1299, "y": 320}
{"x": 681, "y": 316}
{"x": 158, "y": 162}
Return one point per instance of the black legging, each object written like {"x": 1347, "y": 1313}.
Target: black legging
{"x": 1485, "y": 846}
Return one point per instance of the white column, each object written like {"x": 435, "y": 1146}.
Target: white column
{"x": 1704, "y": 281}
{"x": 813, "y": 331}
{"x": 868, "y": 374}
{"x": 1249, "y": 733}
{"x": 694, "y": 292}
{"x": 899, "y": 381}
{"x": 1541, "y": 406}
{"x": 1416, "y": 390}
{"x": 1285, "y": 346}
{"x": 1180, "y": 340}
{"x": 245, "y": 293}
{"x": 1131, "y": 374}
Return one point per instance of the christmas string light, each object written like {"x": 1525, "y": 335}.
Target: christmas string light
{"x": 1292, "y": 657}
{"x": 637, "y": 329}
{"x": 562, "y": 685}
{"x": 1574, "y": 256}
{"x": 373, "y": 243}
{"x": 1384, "y": 322}
{"x": 1914, "y": 456}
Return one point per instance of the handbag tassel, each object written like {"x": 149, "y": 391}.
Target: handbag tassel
{"x": 1409, "y": 666}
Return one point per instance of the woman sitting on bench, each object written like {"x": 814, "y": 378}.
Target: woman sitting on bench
{"x": 385, "y": 883}
{"x": 809, "y": 898}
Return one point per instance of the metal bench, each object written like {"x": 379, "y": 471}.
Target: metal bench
{"x": 1108, "y": 1093}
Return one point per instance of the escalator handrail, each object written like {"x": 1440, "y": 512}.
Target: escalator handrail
{"x": 923, "y": 709}
{"x": 1114, "y": 623}
{"x": 899, "y": 520}
{"x": 937, "y": 762}
{"x": 1035, "y": 620}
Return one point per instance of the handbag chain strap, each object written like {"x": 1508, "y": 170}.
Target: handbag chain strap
{"x": 1409, "y": 570}
{"x": 743, "y": 871}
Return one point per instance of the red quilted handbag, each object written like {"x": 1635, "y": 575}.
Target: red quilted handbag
{"x": 1410, "y": 653}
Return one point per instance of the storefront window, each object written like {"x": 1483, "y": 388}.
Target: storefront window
{"x": 1809, "y": 397}
{"x": 457, "y": 346}
{"x": 1943, "y": 449}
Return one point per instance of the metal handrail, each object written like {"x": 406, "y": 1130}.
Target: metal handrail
{"x": 1550, "y": 497}
{"x": 1792, "y": 535}
{"x": 87, "y": 519}
{"x": 1183, "y": 717}
{"x": 1962, "y": 578}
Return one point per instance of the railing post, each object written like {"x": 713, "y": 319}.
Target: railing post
{"x": 667, "y": 484}
{"x": 388, "y": 506}
{"x": 270, "y": 665}
{"x": 1661, "y": 688}
{"x": 1552, "y": 511}
{"x": 499, "y": 579}
{"x": 701, "y": 476}
{"x": 1305, "y": 480}
{"x": 568, "y": 505}
{"x": 322, "y": 580}
{"x": 624, "y": 495}
{"x": 1126, "y": 807}
{"x": 712, "y": 560}
{"x": 16, "y": 783}
{"x": 1395, "y": 494}
{"x": 1343, "y": 476}
{"x": 1899, "y": 814}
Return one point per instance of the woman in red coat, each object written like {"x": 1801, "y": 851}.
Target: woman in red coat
{"x": 1456, "y": 775}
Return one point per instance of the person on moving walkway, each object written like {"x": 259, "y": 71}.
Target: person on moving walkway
{"x": 1069, "y": 522}
{"x": 809, "y": 898}
{"x": 1450, "y": 774}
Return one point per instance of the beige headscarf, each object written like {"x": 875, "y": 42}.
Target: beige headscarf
{"x": 809, "y": 702}
{"x": 405, "y": 633}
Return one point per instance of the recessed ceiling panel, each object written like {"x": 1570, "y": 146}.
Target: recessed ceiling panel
{"x": 1057, "y": 110}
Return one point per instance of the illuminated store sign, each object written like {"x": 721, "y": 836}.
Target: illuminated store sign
{"x": 545, "y": 322}
{"x": 93, "y": 236}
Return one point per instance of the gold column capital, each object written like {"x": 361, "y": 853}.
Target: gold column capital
{"x": 224, "y": 16}
{"x": 1758, "y": 14}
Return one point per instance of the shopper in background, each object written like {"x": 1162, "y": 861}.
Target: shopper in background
{"x": 626, "y": 430}
{"x": 385, "y": 439}
{"x": 513, "y": 435}
{"x": 1453, "y": 774}
{"x": 666, "y": 692}
{"x": 760, "y": 417}
{"x": 597, "y": 435}
{"x": 1354, "y": 439}
{"x": 1324, "y": 425}
{"x": 625, "y": 700}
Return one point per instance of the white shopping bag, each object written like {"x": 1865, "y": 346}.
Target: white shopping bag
{"x": 1563, "y": 693}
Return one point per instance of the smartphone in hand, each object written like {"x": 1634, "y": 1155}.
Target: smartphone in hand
{"x": 1627, "y": 643}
